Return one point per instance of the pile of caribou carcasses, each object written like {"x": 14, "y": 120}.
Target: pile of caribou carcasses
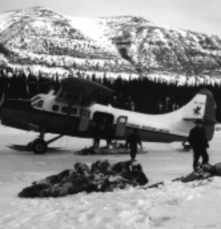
{"x": 101, "y": 176}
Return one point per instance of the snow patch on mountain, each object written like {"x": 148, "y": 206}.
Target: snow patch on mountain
{"x": 40, "y": 40}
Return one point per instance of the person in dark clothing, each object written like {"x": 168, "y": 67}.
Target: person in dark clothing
{"x": 133, "y": 140}
{"x": 97, "y": 134}
{"x": 109, "y": 134}
{"x": 199, "y": 143}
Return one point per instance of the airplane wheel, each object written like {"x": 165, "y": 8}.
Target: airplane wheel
{"x": 39, "y": 146}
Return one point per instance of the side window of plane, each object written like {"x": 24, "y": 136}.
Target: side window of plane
{"x": 121, "y": 120}
{"x": 39, "y": 104}
{"x": 81, "y": 112}
{"x": 64, "y": 109}
{"x": 55, "y": 108}
{"x": 84, "y": 113}
{"x": 87, "y": 113}
{"x": 74, "y": 111}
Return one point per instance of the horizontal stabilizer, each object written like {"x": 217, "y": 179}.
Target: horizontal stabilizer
{"x": 205, "y": 121}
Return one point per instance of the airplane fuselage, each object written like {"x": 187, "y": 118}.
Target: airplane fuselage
{"x": 72, "y": 112}
{"x": 59, "y": 118}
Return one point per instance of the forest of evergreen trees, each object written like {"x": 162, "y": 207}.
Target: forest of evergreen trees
{"x": 140, "y": 95}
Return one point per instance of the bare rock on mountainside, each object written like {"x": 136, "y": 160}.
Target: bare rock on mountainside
{"x": 38, "y": 40}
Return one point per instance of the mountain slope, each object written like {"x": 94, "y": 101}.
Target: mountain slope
{"x": 39, "y": 41}
{"x": 166, "y": 53}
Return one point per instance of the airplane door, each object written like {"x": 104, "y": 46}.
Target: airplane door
{"x": 121, "y": 126}
{"x": 85, "y": 120}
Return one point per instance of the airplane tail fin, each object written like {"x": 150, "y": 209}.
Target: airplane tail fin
{"x": 201, "y": 107}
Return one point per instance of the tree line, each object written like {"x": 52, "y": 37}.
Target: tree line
{"x": 140, "y": 95}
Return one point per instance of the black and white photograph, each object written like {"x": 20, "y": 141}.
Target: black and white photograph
{"x": 110, "y": 114}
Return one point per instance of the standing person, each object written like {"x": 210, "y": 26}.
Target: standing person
{"x": 133, "y": 140}
{"x": 109, "y": 134}
{"x": 97, "y": 135}
{"x": 199, "y": 143}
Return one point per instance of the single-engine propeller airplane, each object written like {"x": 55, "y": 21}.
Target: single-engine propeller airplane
{"x": 79, "y": 105}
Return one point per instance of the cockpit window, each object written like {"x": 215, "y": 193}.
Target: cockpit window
{"x": 35, "y": 98}
{"x": 39, "y": 104}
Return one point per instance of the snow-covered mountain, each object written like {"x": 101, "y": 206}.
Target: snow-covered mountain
{"x": 39, "y": 41}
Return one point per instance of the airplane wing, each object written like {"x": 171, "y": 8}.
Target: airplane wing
{"x": 82, "y": 91}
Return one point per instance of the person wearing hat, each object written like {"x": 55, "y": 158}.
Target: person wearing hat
{"x": 199, "y": 143}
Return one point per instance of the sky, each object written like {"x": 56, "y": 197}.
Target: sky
{"x": 196, "y": 15}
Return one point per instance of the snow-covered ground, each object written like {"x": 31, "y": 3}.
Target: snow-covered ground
{"x": 174, "y": 205}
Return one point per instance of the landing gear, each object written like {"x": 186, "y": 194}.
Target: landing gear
{"x": 39, "y": 145}
{"x": 186, "y": 146}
